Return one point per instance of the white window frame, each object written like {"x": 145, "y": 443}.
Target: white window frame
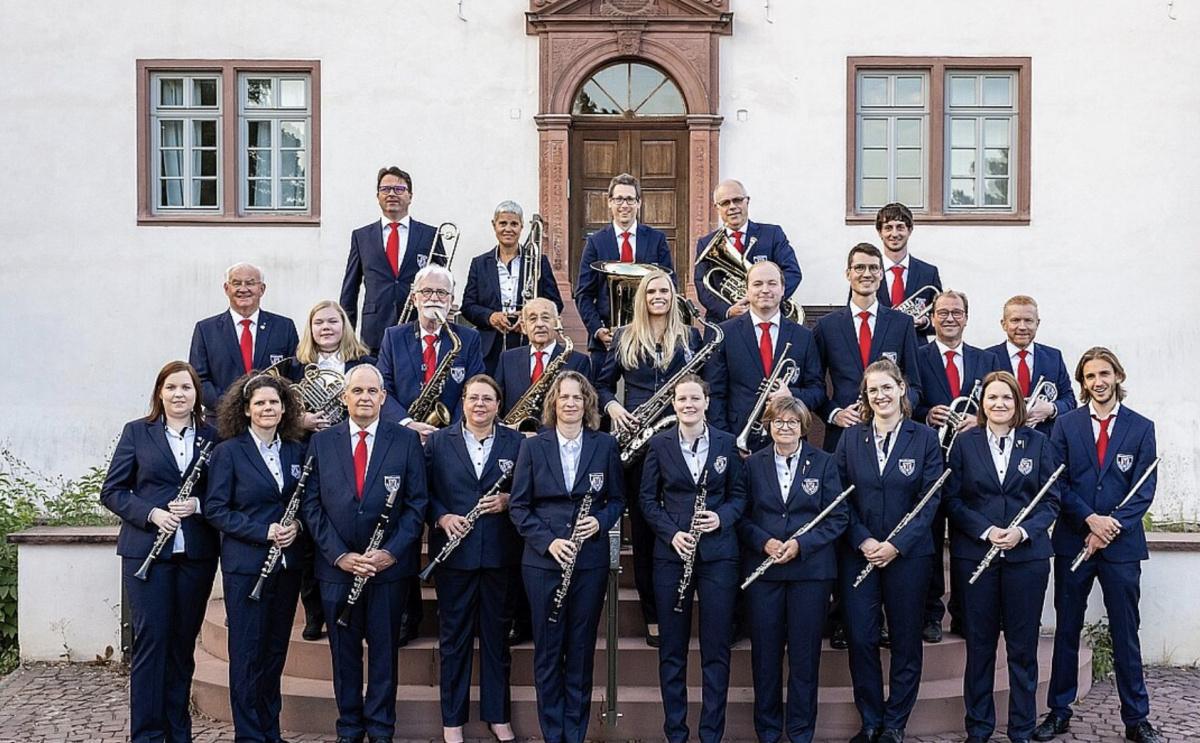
{"x": 188, "y": 113}
{"x": 979, "y": 113}
{"x": 275, "y": 114}
{"x": 891, "y": 113}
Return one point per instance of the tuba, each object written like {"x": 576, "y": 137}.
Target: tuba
{"x": 526, "y": 414}
{"x": 918, "y": 306}
{"x": 447, "y": 239}
{"x": 727, "y": 276}
{"x": 961, "y": 408}
{"x": 623, "y": 280}
{"x": 787, "y": 371}
{"x": 428, "y": 406}
{"x": 320, "y": 390}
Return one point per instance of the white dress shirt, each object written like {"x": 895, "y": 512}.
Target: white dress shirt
{"x": 885, "y": 441}
{"x": 785, "y": 470}
{"x": 508, "y": 275}
{"x": 547, "y": 354}
{"x": 632, "y": 237}
{"x": 181, "y": 446}
{"x": 237, "y": 327}
{"x": 479, "y": 449}
{"x": 371, "y": 429}
{"x": 1014, "y": 359}
{"x": 1000, "y": 447}
{"x": 569, "y": 451}
{"x": 385, "y": 227}
{"x": 744, "y": 229}
{"x": 958, "y": 361}
{"x": 695, "y": 454}
{"x": 270, "y": 456}
{"x": 774, "y": 329}
{"x": 873, "y": 311}
{"x": 1112, "y": 422}
{"x": 890, "y": 277}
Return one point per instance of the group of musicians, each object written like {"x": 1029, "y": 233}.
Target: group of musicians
{"x": 312, "y": 465}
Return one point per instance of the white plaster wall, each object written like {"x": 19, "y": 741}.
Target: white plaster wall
{"x": 70, "y": 601}
{"x": 94, "y": 303}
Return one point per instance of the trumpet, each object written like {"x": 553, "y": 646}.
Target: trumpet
{"x": 1021, "y": 515}
{"x": 961, "y": 408}
{"x": 787, "y": 371}
{"x": 727, "y": 277}
{"x": 447, "y": 240}
{"x": 918, "y": 306}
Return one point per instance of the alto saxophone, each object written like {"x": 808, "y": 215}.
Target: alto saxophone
{"x": 526, "y": 414}
{"x": 428, "y": 407}
{"x": 786, "y": 370}
{"x": 689, "y": 562}
{"x": 560, "y": 593}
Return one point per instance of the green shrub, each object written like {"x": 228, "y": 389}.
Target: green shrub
{"x": 1099, "y": 637}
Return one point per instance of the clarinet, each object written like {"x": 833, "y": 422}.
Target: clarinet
{"x": 289, "y": 517}
{"x": 471, "y": 517}
{"x": 560, "y": 594}
{"x": 1083, "y": 553}
{"x": 185, "y": 492}
{"x": 689, "y": 562}
{"x": 393, "y": 486}
{"x": 991, "y": 554}
{"x": 767, "y": 563}
{"x": 904, "y": 522}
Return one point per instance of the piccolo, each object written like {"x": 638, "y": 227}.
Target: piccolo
{"x": 289, "y": 518}
{"x": 471, "y": 517}
{"x": 908, "y": 517}
{"x": 767, "y": 563}
{"x": 1021, "y": 515}
{"x": 185, "y": 492}
{"x": 392, "y": 483}
{"x": 689, "y": 562}
{"x": 1083, "y": 553}
{"x": 560, "y": 594}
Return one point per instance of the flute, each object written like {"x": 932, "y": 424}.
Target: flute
{"x": 1083, "y": 553}
{"x": 995, "y": 550}
{"x": 185, "y": 492}
{"x": 289, "y": 517}
{"x": 471, "y": 517}
{"x": 904, "y": 522}
{"x": 767, "y": 563}
{"x": 689, "y": 562}
{"x": 392, "y": 483}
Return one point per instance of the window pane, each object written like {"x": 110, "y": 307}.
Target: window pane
{"x": 995, "y": 132}
{"x": 873, "y": 91}
{"x": 171, "y": 133}
{"x": 908, "y": 132}
{"x": 874, "y": 164}
{"x": 292, "y": 94}
{"x": 665, "y": 102}
{"x": 962, "y": 192}
{"x": 593, "y": 100}
{"x": 259, "y": 193}
{"x": 996, "y": 161}
{"x": 908, "y": 191}
{"x": 962, "y": 163}
{"x": 204, "y": 162}
{"x": 962, "y": 91}
{"x": 258, "y": 163}
{"x": 874, "y": 191}
{"x": 910, "y": 91}
{"x": 171, "y": 193}
{"x": 997, "y": 91}
{"x": 874, "y": 133}
{"x": 259, "y": 134}
{"x": 204, "y": 133}
{"x": 204, "y": 92}
{"x": 291, "y": 163}
{"x": 172, "y": 163}
{"x": 643, "y": 81}
{"x": 170, "y": 92}
{"x": 908, "y": 164}
{"x": 615, "y": 81}
{"x": 962, "y": 132}
{"x": 995, "y": 192}
{"x": 258, "y": 92}
{"x": 291, "y": 194}
{"x": 204, "y": 192}
{"x": 291, "y": 134}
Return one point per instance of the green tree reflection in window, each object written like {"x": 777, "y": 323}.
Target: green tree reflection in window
{"x": 629, "y": 89}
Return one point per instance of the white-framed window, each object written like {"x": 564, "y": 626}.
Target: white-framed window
{"x": 892, "y": 123}
{"x": 185, "y": 126}
{"x": 274, "y": 124}
{"x": 980, "y": 129}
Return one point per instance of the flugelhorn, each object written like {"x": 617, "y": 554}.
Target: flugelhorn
{"x": 961, "y": 408}
{"x": 917, "y": 306}
{"x": 785, "y": 371}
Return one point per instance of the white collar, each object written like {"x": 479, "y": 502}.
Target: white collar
{"x": 468, "y": 435}
{"x": 873, "y": 309}
{"x": 371, "y": 429}
{"x": 335, "y": 356}
{"x": 403, "y": 222}
{"x": 773, "y": 319}
{"x": 943, "y": 348}
{"x": 1013, "y": 350}
{"x": 1112, "y": 414}
{"x": 237, "y": 319}
{"x": 702, "y": 437}
{"x": 891, "y": 263}
{"x": 548, "y": 350}
{"x": 744, "y": 229}
{"x": 562, "y": 440}
{"x": 632, "y": 229}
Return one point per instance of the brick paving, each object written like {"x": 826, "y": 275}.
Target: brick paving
{"x": 61, "y": 703}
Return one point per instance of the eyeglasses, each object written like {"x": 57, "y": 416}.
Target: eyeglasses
{"x": 861, "y": 268}
{"x": 943, "y": 314}
{"x": 248, "y": 284}
{"x": 394, "y": 189}
{"x": 735, "y": 201}
{"x": 429, "y": 293}
{"x": 623, "y": 199}
{"x": 780, "y": 425}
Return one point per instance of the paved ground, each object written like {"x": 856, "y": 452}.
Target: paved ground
{"x": 58, "y": 703}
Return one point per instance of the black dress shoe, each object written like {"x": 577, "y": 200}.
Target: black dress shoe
{"x": 349, "y": 739}
{"x": 653, "y": 641}
{"x": 313, "y": 629}
{"x": 866, "y": 735}
{"x": 891, "y": 735}
{"x": 1052, "y": 726}
{"x": 976, "y": 739}
{"x": 380, "y": 739}
{"x": 885, "y": 637}
{"x": 518, "y": 635}
{"x": 1143, "y": 732}
{"x": 932, "y": 632}
{"x": 407, "y": 635}
{"x": 837, "y": 640}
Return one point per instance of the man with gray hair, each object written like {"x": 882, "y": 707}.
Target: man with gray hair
{"x": 242, "y": 338}
{"x": 494, "y": 295}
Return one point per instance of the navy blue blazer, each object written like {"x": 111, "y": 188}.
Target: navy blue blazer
{"x": 880, "y": 501}
{"x": 976, "y": 499}
{"x": 644, "y": 380}
{"x": 770, "y": 245}
{"x": 242, "y": 501}
{"x": 543, "y": 508}
{"x": 400, "y": 362}
{"x": 1047, "y": 362}
{"x": 143, "y": 476}
{"x": 591, "y": 290}
{"x": 770, "y": 517}
{"x": 837, "y": 342}
{"x": 216, "y": 352}
{"x": 512, "y": 371}
{"x": 386, "y": 292}
{"x": 454, "y": 488}
{"x": 482, "y": 296}
{"x": 340, "y": 523}
{"x": 935, "y": 388}
{"x": 920, "y": 274}
{"x": 737, "y": 371}
{"x": 668, "y": 494}
{"x": 1090, "y": 487}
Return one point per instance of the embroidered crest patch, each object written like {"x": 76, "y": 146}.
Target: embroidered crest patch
{"x": 596, "y": 480}
{"x": 907, "y": 467}
{"x": 506, "y": 465}
{"x": 759, "y": 258}
{"x": 276, "y": 358}
{"x": 890, "y": 356}
{"x": 810, "y": 485}
{"x": 719, "y": 464}
{"x": 392, "y": 483}
{"x": 1025, "y": 466}
{"x": 296, "y": 471}
{"x": 1124, "y": 462}
{"x": 422, "y": 261}
{"x": 458, "y": 373}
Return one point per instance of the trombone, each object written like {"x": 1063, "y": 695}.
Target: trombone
{"x": 447, "y": 238}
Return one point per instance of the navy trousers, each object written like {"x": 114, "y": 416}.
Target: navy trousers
{"x": 1012, "y": 593}
{"x": 167, "y": 610}
{"x": 935, "y": 609}
{"x": 471, "y": 603}
{"x": 564, "y": 651}
{"x": 717, "y": 583}
{"x": 375, "y": 620}
{"x": 786, "y": 614}
{"x": 1120, "y": 583}
{"x": 641, "y": 538}
{"x": 259, "y": 632}
{"x": 899, "y": 589}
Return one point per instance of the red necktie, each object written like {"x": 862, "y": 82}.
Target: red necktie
{"x": 737, "y": 242}
{"x": 626, "y": 249}
{"x": 429, "y": 357}
{"x": 393, "y": 248}
{"x": 1023, "y": 373}
{"x": 864, "y": 338}
{"x": 764, "y": 347}
{"x": 1102, "y": 439}
{"x": 247, "y": 346}
{"x": 897, "y": 285}
{"x": 360, "y": 464}
{"x": 536, "y": 374}
{"x": 952, "y": 375}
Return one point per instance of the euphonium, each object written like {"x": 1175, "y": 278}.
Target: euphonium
{"x": 428, "y": 406}
{"x": 917, "y": 306}
{"x": 447, "y": 238}
{"x": 786, "y": 370}
{"x": 727, "y": 276}
{"x": 961, "y": 408}
{"x": 526, "y": 414}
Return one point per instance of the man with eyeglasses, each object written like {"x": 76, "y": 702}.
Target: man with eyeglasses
{"x": 1030, "y": 362}
{"x": 949, "y": 369}
{"x": 754, "y": 241}
{"x": 384, "y": 256}
{"x": 904, "y": 275}
{"x": 624, "y": 240}
{"x": 242, "y": 339}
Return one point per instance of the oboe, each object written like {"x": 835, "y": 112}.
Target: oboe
{"x": 1021, "y": 515}
{"x": 767, "y": 563}
{"x": 560, "y": 594}
{"x": 185, "y": 492}
{"x": 905, "y": 521}
{"x": 471, "y": 517}
{"x": 289, "y": 517}
{"x": 392, "y": 483}
{"x": 689, "y": 562}
{"x": 1083, "y": 553}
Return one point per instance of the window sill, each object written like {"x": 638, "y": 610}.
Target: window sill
{"x": 952, "y": 219}
{"x": 256, "y": 220}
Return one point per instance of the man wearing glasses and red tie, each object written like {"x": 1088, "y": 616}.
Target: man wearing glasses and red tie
{"x": 756, "y": 241}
